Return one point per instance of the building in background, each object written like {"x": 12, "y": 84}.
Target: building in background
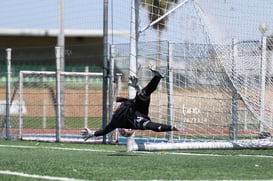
{"x": 35, "y": 48}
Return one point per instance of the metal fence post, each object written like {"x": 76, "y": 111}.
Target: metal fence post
{"x": 234, "y": 91}
{"x": 21, "y": 83}
{"x": 111, "y": 86}
{"x": 170, "y": 88}
{"x": 8, "y": 74}
{"x": 105, "y": 66}
{"x": 58, "y": 93}
{"x": 86, "y": 95}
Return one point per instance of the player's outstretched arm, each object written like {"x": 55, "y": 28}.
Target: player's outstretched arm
{"x": 87, "y": 133}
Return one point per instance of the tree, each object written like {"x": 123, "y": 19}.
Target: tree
{"x": 156, "y": 9}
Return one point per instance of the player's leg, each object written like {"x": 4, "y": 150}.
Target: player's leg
{"x": 158, "y": 127}
{"x": 144, "y": 123}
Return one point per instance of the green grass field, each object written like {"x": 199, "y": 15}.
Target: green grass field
{"x": 25, "y": 160}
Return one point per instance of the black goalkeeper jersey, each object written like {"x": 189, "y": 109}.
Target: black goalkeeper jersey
{"x": 124, "y": 115}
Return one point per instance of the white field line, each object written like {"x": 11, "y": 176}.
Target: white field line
{"x": 20, "y": 174}
{"x": 57, "y": 148}
{"x": 113, "y": 151}
{"x": 7, "y": 172}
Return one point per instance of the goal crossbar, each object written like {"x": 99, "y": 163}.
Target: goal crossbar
{"x": 25, "y": 72}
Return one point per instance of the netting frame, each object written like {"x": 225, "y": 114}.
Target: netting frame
{"x": 170, "y": 144}
{"x": 234, "y": 143}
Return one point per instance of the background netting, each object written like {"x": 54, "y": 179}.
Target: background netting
{"x": 219, "y": 82}
{"x": 222, "y": 67}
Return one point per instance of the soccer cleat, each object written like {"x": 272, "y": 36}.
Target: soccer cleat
{"x": 156, "y": 71}
{"x": 174, "y": 128}
{"x": 133, "y": 83}
{"x": 264, "y": 135}
{"x": 87, "y": 133}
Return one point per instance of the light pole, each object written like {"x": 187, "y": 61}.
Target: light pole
{"x": 263, "y": 28}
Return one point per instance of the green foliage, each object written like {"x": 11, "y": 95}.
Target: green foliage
{"x": 111, "y": 162}
{"x": 157, "y": 8}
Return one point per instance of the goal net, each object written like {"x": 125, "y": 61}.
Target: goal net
{"x": 218, "y": 60}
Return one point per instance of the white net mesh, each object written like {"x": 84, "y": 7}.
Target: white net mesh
{"x": 222, "y": 68}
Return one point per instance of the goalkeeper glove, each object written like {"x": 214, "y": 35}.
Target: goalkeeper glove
{"x": 87, "y": 133}
{"x": 133, "y": 82}
{"x": 156, "y": 71}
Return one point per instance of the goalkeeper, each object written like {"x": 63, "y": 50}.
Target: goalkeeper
{"x": 133, "y": 113}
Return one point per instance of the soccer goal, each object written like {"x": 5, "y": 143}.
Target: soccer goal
{"x": 218, "y": 88}
{"x": 80, "y": 106}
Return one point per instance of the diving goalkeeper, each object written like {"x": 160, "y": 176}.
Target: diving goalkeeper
{"x": 133, "y": 113}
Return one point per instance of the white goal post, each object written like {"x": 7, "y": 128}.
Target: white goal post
{"x": 239, "y": 144}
